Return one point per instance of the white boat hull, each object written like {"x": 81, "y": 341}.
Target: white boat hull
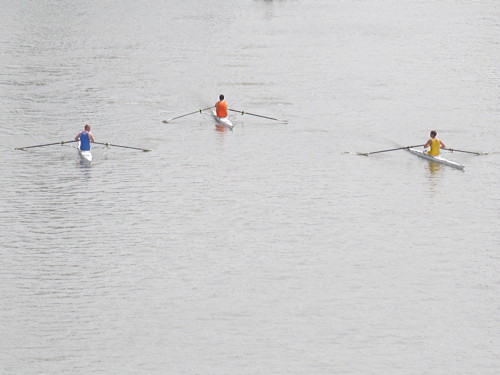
{"x": 86, "y": 156}
{"x": 437, "y": 159}
{"x": 222, "y": 121}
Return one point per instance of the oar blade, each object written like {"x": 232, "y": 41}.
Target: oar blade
{"x": 354, "y": 153}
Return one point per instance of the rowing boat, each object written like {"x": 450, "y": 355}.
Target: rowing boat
{"x": 86, "y": 156}
{"x": 222, "y": 121}
{"x": 437, "y": 159}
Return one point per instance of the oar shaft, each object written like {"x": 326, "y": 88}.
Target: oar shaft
{"x": 467, "y": 152}
{"x": 187, "y": 114}
{"x": 113, "y": 145}
{"x": 47, "y": 144}
{"x": 392, "y": 149}
{"x": 253, "y": 114}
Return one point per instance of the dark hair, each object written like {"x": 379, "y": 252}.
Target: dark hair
{"x": 433, "y": 133}
{"x": 221, "y": 97}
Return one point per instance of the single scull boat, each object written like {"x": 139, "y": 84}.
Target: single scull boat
{"x": 86, "y": 156}
{"x": 222, "y": 121}
{"x": 437, "y": 159}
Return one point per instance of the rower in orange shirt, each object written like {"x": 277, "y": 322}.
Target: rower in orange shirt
{"x": 435, "y": 144}
{"x": 221, "y": 107}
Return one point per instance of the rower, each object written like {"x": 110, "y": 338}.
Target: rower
{"x": 85, "y": 137}
{"x": 435, "y": 144}
{"x": 221, "y": 107}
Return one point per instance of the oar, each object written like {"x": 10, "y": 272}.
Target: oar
{"x": 48, "y": 144}
{"x": 391, "y": 149}
{"x": 253, "y": 114}
{"x": 467, "y": 152}
{"x": 187, "y": 114}
{"x": 133, "y": 148}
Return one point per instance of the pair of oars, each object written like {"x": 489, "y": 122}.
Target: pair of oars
{"x": 97, "y": 143}
{"x": 232, "y": 110}
{"x": 406, "y": 147}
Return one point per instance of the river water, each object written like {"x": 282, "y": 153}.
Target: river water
{"x": 268, "y": 249}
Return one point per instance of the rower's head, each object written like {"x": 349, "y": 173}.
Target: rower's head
{"x": 433, "y": 134}
{"x": 87, "y": 127}
{"x": 221, "y": 97}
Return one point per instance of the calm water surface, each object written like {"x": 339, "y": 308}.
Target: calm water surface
{"x": 266, "y": 250}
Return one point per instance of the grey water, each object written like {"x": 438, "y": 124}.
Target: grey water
{"x": 271, "y": 249}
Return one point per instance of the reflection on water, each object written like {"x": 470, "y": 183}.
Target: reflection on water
{"x": 434, "y": 167}
{"x": 221, "y": 128}
{"x": 434, "y": 176}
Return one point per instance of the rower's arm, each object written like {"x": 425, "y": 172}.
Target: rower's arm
{"x": 91, "y": 137}
{"x": 442, "y": 144}
{"x": 77, "y": 138}
{"x": 428, "y": 144}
